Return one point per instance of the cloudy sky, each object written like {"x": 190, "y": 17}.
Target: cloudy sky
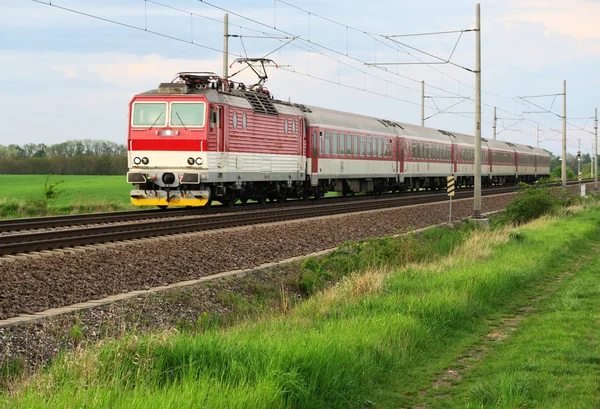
{"x": 65, "y": 75}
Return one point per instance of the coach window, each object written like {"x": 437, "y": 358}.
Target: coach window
{"x": 334, "y": 143}
{"x": 362, "y": 146}
{"x": 327, "y": 143}
{"x": 349, "y": 144}
{"x": 342, "y": 144}
{"x": 369, "y": 140}
{"x": 315, "y": 144}
{"x": 379, "y": 147}
{"x": 355, "y": 146}
{"x": 414, "y": 150}
{"x": 322, "y": 141}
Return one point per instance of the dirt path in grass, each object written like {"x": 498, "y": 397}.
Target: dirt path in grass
{"x": 497, "y": 334}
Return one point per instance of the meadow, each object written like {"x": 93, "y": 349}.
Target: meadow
{"x": 378, "y": 338}
{"x": 24, "y": 195}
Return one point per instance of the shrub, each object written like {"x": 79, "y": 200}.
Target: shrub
{"x": 557, "y": 174}
{"x": 530, "y": 203}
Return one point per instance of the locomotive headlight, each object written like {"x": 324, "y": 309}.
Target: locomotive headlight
{"x": 145, "y": 160}
{"x": 166, "y": 132}
{"x": 137, "y": 160}
{"x": 190, "y": 161}
{"x": 198, "y": 161}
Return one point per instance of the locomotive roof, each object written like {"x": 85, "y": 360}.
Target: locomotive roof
{"x": 235, "y": 99}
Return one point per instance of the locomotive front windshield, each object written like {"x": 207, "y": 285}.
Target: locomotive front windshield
{"x": 149, "y": 114}
{"x": 187, "y": 114}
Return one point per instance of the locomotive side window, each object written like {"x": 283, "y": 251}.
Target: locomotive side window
{"x": 334, "y": 143}
{"x": 285, "y": 128}
{"x": 342, "y": 144}
{"x": 149, "y": 114}
{"x": 244, "y": 121}
{"x": 234, "y": 120}
{"x": 327, "y": 143}
{"x": 186, "y": 114}
{"x": 294, "y": 127}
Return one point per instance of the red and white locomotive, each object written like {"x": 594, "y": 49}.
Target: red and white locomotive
{"x": 203, "y": 139}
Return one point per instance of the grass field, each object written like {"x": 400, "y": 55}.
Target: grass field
{"x": 22, "y": 195}
{"x": 377, "y": 339}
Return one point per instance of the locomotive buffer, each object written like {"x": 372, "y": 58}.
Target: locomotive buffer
{"x": 450, "y": 189}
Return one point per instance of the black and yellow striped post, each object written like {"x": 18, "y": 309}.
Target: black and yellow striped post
{"x": 450, "y": 188}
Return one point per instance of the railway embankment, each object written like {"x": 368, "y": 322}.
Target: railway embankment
{"x": 381, "y": 336}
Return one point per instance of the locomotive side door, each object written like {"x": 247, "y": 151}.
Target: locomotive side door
{"x": 221, "y": 129}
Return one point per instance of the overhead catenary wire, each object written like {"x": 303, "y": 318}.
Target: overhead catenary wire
{"x": 280, "y": 38}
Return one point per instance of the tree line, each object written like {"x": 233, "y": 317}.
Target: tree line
{"x": 76, "y": 157}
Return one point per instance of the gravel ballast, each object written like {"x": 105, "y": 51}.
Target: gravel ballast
{"x": 36, "y": 284}
{"x": 55, "y": 281}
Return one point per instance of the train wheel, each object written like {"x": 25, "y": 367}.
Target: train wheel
{"x": 282, "y": 197}
{"x": 262, "y": 200}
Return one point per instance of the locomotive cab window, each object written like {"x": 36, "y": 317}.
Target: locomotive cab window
{"x": 149, "y": 114}
{"x": 187, "y": 114}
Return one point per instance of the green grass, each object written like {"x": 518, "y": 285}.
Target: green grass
{"x": 373, "y": 340}
{"x": 552, "y": 361}
{"x": 22, "y": 194}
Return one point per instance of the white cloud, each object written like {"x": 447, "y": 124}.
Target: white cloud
{"x": 573, "y": 18}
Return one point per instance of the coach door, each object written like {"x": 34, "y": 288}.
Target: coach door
{"x": 315, "y": 152}
{"x": 454, "y": 158}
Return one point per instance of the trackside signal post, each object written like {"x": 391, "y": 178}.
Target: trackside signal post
{"x": 450, "y": 188}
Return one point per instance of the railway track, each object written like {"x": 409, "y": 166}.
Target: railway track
{"x": 56, "y": 239}
{"x": 51, "y": 222}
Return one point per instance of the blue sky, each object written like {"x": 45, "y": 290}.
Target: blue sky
{"x": 67, "y": 76}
